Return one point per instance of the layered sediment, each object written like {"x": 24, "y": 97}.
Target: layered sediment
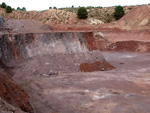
{"x": 62, "y": 51}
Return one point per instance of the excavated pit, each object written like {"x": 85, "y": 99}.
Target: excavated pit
{"x": 49, "y": 66}
{"x": 45, "y": 54}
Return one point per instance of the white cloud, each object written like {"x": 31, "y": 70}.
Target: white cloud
{"x": 45, "y": 4}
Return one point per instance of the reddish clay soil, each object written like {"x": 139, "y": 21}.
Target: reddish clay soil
{"x": 114, "y": 36}
{"x": 96, "y": 66}
{"x": 137, "y": 41}
{"x": 13, "y": 93}
{"x": 83, "y": 27}
{"x": 136, "y": 46}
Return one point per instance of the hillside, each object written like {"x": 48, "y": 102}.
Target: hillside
{"x": 96, "y": 16}
{"x": 104, "y": 14}
{"x": 51, "y": 16}
{"x": 65, "y": 16}
{"x": 138, "y": 17}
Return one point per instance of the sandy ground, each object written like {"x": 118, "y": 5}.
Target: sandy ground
{"x": 125, "y": 89}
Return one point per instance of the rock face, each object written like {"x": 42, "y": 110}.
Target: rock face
{"x": 23, "y": 46}
{"x": 7, "y": 108}
{"x": 63, "y": 51}
{"x": 1, "y": 22}
{"x": 12, "y": 93}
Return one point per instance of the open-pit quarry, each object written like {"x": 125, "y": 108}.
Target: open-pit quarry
{"x": 74, "y": 69}
{"x": 65, "y": 72}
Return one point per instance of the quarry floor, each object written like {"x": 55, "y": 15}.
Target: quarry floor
{"x": 125, "y": 89}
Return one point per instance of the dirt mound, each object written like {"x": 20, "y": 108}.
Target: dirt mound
{"x": 96, "y": 66}
{"x": 24, "y": 25}
{"x": 138, "y": 17}
{"x": 12, "y": 93}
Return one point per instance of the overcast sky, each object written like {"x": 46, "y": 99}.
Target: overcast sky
{"x": 45, "y": 4}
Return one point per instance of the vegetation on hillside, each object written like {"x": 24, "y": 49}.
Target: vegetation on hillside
{"x": 119, "y": 12}
{"x": 54, "y": 7}
{"x": 3, "y": 5}
{"x": 9, "y": 8}
{"x": 82, "y": 13}
{"x": 21, "y": 9}
{"x": 65, "y": 15}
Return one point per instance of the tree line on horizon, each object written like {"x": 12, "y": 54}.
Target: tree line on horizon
{"x": 9, "y": 9}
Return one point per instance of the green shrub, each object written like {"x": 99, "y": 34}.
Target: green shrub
{"x": 54, "y": 7}
{"x": 23, "y": 9}
{"x": 3, "y": 5}
{"x": 119, "y": 12}
{"x": 8, "y": 9}
{"x": 18, "y": 8}
{"x": 82, "y": 13}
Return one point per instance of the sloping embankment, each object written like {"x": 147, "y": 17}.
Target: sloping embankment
{"x": 13, "y": 93}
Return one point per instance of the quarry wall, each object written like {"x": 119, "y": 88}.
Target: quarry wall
{"x": 1, "y": 23}
{"x": 58, "y": 51}
{"x": 18, "y": 46}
